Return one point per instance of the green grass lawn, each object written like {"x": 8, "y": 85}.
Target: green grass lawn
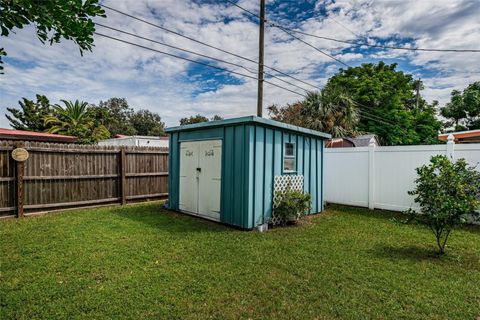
{"x": 143, "y": 262}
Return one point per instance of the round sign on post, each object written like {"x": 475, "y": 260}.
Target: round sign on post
{"x": 20, "y": 154}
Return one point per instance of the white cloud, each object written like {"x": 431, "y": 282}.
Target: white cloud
{"x": 162, "y": 84}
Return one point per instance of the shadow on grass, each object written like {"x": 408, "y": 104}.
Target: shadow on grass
{"x": 392, "y": 216}
{"x": 413, "y": 253}
{"x": 375, "y": 214}
{"x": 168, "y": 220}
{"x": 454, "y": 258}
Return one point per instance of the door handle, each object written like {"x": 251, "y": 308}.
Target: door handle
{"x": 199, "y": 170}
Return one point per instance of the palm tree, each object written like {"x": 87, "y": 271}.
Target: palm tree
{"x": 331, "y": 110}
{"x": 75, "y": 119}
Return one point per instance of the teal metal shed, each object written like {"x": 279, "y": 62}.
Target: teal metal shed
{"x": 227, "y": 170}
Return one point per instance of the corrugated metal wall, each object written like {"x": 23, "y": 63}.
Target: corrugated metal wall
{"x": 252, "y": 157}
{"x": 266, "y": 162}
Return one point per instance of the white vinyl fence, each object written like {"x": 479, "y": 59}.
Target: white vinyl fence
{"x": 380, "y": 177}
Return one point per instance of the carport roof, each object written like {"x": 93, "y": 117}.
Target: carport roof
{"x": 246, "y": 120}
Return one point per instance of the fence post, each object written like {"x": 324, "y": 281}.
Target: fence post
{"x": 451, "y": 147}
{"x": 371, "y": 174}
{"x": 19, "y": 189}
{"x": 123, "y": 180}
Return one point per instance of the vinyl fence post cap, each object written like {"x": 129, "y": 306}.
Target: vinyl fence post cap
{"x": 450, "y": 138}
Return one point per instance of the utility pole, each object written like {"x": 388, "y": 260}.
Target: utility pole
{"x": 418, "y": 91}
{"x": 260, "y": 59}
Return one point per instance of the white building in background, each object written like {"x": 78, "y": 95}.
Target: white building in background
{"x": 137, "y": 141}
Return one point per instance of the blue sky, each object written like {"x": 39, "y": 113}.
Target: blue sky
{"x": 176, "y": 88}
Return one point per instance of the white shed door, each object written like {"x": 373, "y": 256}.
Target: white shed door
{"x": 200, "y": 177}
{"x": 210, "y": 178}
{"x": 188, "y": 176}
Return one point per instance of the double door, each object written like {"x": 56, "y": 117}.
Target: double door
{"x": 200, "y": 177}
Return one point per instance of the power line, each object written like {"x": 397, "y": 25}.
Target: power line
{"x": 359, "y": 44}
{"x": 344, "y": 26}
{"x": 206, "y": 44}
{"x": 284, "y": 29}
{"x": 288, "y": 32}
{"x": 374, "y": 117}
{"x": 312, "y": 46}
{"x": 365, "y": 113}
{"x": 356, "y": 43}
{"x": 198, "y": 54}
{"x": 197, "y": 62}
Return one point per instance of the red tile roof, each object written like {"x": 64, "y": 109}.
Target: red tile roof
{"x": 12, "y": 134}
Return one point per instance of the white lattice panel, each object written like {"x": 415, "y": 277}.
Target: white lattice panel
{"x": 281, "y": 185}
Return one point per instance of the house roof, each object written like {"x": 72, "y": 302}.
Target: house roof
{"x": 246, "y": 120}
{"x": 122, "y": 137}
{"x": 460, "y": 135}
{"x": 12, "y": 134}
{"x": 339, "y": 143}
{"x": 363, "y": 140}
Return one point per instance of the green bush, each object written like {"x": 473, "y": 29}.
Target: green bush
{"x": 447, "y": 194}
{"x": 292, "y": 206}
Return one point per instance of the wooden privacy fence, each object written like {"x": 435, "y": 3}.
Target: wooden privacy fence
{"x": 59, "y": 176}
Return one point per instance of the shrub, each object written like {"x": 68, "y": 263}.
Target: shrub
{"x": 447, "y": 193}
{"x": 292, "y": 206}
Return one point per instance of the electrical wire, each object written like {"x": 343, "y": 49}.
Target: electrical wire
{"x": 360, "y": 44}
{"x": 289, "y": 33}
{"x": 204, "y": 56}
{"x": 286, "y": 31}
{"x": 206, "y": 44}
{"x": 364, "y": 112}
{"x": 196, "y": 62}
{"x": 198, "y": 54}
{"x": 356, "y": 43}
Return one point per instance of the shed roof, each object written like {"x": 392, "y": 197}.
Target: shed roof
{"x": 245, "y": 120}
{"x": 12, "y": 134}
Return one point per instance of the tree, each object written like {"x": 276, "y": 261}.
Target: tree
{"x": 76, "y": 119}
{"x": 463, "y": 110}
{"x": 31, "y": 114}
{"x": 193, "y": 119}
{"x": 446, "y": 192}
{"x": 291, "y": 114}
{"x": 216, "y": 118}
{"x": 388, "y": 103}
{"x": 147, "y": 123}
{"x": 426, "y": 124}
{"x": 117, "y": 116}
{"x": 53, "y": 20}
{"x": 330, "y": 110}
{"x": 199, "y": 118}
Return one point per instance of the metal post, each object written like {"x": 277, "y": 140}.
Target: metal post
{"x": 260, "y": 59}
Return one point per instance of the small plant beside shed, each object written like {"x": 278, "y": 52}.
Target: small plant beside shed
{"x": 291, "y": 207}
